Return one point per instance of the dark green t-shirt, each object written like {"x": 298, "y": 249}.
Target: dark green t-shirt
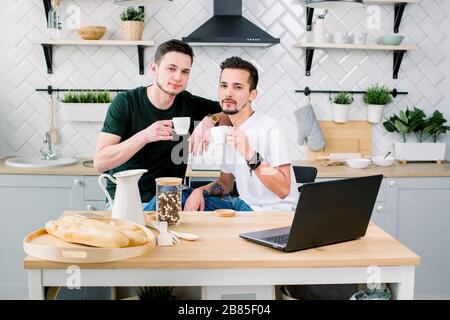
{"x": 131, "y": 112}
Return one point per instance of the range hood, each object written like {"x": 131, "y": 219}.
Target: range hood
{"x": 229, "y": 28}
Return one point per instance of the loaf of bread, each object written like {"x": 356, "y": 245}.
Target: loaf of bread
{"x": 88, "y": 234}
{"x": 136, "y": 235}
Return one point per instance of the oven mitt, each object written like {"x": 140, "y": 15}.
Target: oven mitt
{"x": 309, "y": 128}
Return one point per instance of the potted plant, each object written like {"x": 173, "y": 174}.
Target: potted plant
{"x": 132, "y": 24}
{"x": 157, "y": 293}
{"x": 341, "y": 105}
{"x": 376, "y": 97}
{"x": 415, "y": 122}
{"x": 320, "y": 29}
{"x": 85, "y": 106}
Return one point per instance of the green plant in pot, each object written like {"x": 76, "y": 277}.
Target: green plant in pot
{"x": 341, "y": 106}
{"x": 434, "y": 126}
{"x": 87, "y": 97}
{"x": 409, "y": 121}
{"x": 376, "y": 97}
{"x": 132, "y": 24}
{"x": 157, "y": 293}
{"x": 415, "y": 122}
{"x": 85, "y": 105}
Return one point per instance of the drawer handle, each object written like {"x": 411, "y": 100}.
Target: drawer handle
{"x": 90, "y": 207}
{"x": 77, "y": 182}
{"x": 392, "y": 184}
{"x": 380, "y": 208}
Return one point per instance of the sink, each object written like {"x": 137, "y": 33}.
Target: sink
{"x": 24, "y": 162}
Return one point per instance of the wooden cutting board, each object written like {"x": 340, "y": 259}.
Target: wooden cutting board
{"x": 41, "y": 245}
{"x": 349, "y": 137}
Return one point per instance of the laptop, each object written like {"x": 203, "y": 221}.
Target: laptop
{"x": 327, "y": 212}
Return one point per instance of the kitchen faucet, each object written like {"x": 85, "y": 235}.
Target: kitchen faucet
{"x": 49, "y": 154}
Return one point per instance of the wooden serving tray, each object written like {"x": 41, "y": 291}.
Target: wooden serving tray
{"x": 41, "y": 245}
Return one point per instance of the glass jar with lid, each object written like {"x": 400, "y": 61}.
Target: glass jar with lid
{"x": 168, "y": 199}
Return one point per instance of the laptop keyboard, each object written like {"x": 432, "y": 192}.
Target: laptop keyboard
{"x": 281, "y": 239}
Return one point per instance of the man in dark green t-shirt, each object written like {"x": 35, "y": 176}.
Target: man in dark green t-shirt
{"x": 138, "y": 131}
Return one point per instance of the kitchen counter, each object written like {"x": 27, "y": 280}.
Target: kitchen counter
{"x": 75, "y": 170}
{"x": 418, "y": 169}
{"x": 397, "y": 170}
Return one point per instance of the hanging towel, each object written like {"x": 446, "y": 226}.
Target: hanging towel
{"x": 309, "y": 128}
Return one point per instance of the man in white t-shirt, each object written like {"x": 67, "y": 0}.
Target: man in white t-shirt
{"x": 256, "y": 153}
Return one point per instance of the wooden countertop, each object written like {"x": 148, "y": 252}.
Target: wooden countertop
{"x": 220, "y": 246}
{"x": 397, "y": 170}
{"x": 75, "y": 170}
{"x": 417, "y": 169}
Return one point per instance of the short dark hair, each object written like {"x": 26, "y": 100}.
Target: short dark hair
{"x": 239, "y": 63}
{"x": 173, "y": 45}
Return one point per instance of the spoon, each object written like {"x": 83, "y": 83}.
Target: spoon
{"x": 185, "y": 235}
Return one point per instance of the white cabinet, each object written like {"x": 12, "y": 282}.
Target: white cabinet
{"x": 27, "y": 203}
{"x": 420, "y": 219}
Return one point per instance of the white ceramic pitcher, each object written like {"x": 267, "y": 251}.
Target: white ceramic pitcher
{"x": 127, "y": 199}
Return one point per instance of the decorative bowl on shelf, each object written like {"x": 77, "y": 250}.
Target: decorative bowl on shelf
{"x": 391, "y": 39}
{"x": 91, "y": 32}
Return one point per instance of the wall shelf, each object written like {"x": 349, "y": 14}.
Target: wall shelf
{"x": 399, "y": 52}
{"x": 48, "y": 5}
{"x": 400, "y": 6}
{"x": 47, "y": 45}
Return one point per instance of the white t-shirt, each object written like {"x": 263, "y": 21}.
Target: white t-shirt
{"x": 265, "y": 136}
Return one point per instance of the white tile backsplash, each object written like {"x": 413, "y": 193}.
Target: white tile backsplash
{"x": 24, "y": 112}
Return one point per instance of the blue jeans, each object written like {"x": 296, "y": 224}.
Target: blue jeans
{"x": 211, "y": 203}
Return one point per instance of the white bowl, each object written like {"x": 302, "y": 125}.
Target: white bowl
{"x": 382, "y": 161}
{"x": 358, "y": 163}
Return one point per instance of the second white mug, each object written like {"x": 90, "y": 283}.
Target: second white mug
{"x": 360, "y": 38}
{"x": 218, "y": 134}
{"x": 339, "y": 37}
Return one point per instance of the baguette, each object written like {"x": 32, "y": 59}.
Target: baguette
{"x": 112, "y": 223}
{"x": 136, "y": 235}
{"x": 88, "y": 234}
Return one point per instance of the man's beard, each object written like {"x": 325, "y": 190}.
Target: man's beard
{"x": 172, "y": 93}
{"x": 234, "y": 111}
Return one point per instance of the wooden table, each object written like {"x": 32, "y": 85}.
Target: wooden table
{"x": 222, "y": 263}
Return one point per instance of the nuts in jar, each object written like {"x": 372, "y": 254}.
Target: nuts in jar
{"x": 168, "y": 195}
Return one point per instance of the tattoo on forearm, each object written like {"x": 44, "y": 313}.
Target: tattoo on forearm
{"x": 216, "y": 189}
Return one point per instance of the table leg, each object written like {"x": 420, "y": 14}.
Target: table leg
{"x": 238, "y": 293}
{"x": 404, "y": 289}
{"x": 35, "y": 285}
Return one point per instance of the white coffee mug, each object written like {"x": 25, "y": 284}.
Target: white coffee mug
{"x": 360, "y": 38}
{"x": 339, "y": 37}
{"x": 181, "y": 125}
{"x": 218, "y": 134}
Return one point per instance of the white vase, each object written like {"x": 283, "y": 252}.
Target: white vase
{"x": 340, "y": 112}
{"x": 92, "y": 112}
{"x": 374, "y": 113}
{"x": 416, "y": 151}
{"x": 320, "y": 31}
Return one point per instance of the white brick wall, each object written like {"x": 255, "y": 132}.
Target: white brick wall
{"x": 24, "y": 112}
